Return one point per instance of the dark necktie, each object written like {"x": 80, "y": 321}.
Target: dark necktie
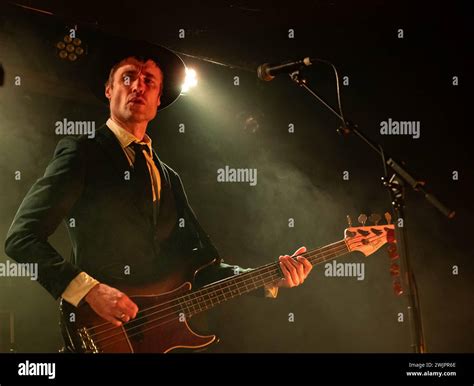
{"x": 141, "y": 177}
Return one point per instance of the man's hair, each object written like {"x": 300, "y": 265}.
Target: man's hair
{"x": 141, "y": 59}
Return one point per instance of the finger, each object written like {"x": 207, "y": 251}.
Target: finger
{"x": 115, "y": 322}
{"x": 106, "y": 314}
{"x": 281, "y": 283}
{"x": 307, "y": 265}
{"x": 292, "y": 270}
{"x": 121, "y": 313}
{"x": 123, "y": 317}
{"x": 135, "y": 308}
{"x": 112, "y": 319}
{"x": 129, "y": 307}
{"x": 299, "y": 251}
{"x": 299, "y": 269}
{"x": 287, "y": 274}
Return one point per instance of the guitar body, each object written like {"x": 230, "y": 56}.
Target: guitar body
{"x": 159, "y": 327}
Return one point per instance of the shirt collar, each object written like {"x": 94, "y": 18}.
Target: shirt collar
{"x": 126, "y": 138}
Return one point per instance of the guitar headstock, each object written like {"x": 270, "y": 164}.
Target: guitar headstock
{"x": 368, "y": 239}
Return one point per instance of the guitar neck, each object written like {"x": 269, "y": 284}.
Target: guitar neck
{"x": 213, "y": 294}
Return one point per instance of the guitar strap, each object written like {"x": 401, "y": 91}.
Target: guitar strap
{"x": 207, "y": 245}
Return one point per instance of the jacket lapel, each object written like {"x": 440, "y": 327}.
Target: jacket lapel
{"x": 165, "y": 178}
{"x": 114, "y": 151}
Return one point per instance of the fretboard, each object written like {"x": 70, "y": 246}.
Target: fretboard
{"x": 213, "y": 294}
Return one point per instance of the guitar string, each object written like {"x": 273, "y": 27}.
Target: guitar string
{"x": 273, "y": 276}
{"x": 154, "y": 326}
{"x": 263, "y": 277}
{"x": 173, "y": 317}
{"x": 207, "y": 291}
{"x": 141, "y": 330}
{"x": 272, "y": 265}
{"x": 201, "y": 297}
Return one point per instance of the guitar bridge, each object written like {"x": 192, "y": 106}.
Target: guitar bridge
{"x": 87, "y": 343}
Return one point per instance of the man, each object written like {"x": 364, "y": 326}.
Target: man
{"x": 121, "y": 204}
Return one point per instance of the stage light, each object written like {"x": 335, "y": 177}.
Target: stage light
{"x": 70, "y": 48}
{"x": 190, "y": 81}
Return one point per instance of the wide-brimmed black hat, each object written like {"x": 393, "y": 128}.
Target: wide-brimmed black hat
{"x": 112, "y": 50}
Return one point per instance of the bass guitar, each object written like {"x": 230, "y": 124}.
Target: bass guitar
{"x": 167, "y": 304}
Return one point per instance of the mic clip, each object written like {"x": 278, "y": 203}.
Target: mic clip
{"x": 298, "y": 78}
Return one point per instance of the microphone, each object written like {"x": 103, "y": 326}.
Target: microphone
{"x": 268, "y": 71}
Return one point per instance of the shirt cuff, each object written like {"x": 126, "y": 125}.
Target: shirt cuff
{"x": 78, "y": 288}
{"x": 271, "y": 291}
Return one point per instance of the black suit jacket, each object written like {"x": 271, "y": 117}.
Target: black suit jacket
{"x": 85, "y": 184}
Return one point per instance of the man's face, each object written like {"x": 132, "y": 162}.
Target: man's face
{"x": 134, "y": 93}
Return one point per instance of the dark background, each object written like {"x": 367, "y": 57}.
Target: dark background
{"x": 299, "y": 175}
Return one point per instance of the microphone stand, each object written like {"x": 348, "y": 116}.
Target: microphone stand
{"x": 396, "y": 188}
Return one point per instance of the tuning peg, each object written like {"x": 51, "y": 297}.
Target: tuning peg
{"x": 394, "y": 269}
{"x": 362, "y": 219}
{"x": 392, "y": 251}
{"x": 349, "y": 221}
{"x": 388, "y": 217}
{"x": 375, "y": 218}
{"x": 397, "y": 287}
